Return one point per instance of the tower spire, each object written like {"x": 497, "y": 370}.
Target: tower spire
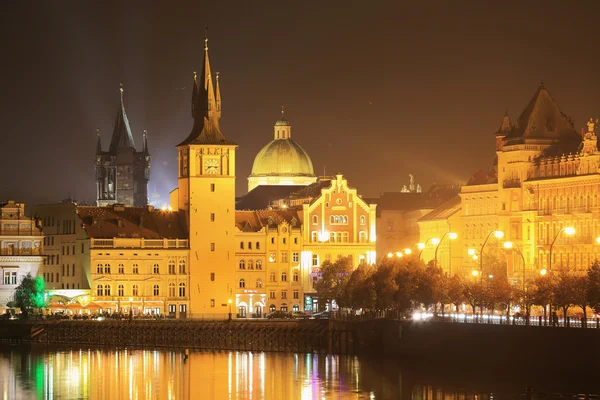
{"x": 195, "y": 97}
{"x": 145, "y": 144}
{"x": 98, "y": 143}
{"x": 208, "y": 82}
{"x": 122, "y": 136}
{"x": 218, "y": 98}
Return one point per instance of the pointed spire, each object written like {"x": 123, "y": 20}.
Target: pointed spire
{"x": 121, "y": 137}
{"x": 98, "y": 143}
{"x": 195, "y": 97}
{"x": 218, "y": 98}
{"x": 506, "y": 126}
{"x": 208, "y": 82}
{"x": 145, "y": 145}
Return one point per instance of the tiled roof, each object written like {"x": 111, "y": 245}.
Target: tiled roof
{"x": 262, "y": 197}
{"x": 254, "y": 221}
{"x": 142, "y": 222}
{"x": 398, "y": 201}
{"x": 444, "y": 211}
{"x": 482, "y": 177}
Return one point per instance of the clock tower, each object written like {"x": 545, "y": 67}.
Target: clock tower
{"x": 206, "y": 191}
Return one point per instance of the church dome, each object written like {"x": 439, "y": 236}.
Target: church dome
{"x": 282, "y": 157}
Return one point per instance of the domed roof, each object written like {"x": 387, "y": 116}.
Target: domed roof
{"x": 282, "y": 157}
{"x": 282, "y": 122}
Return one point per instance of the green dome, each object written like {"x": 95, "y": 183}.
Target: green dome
{"x": 282, "y": 157}
{"x": 282, "y": 122}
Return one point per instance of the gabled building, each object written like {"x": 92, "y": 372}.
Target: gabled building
{"x": 122, "y": 172}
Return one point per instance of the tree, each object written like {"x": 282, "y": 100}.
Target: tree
{"x": 497, "y": 293}
{"x": 360, "y": 290}
{"x": 564, "y": 292}
{"x": 334, "y": 277}
{"x": 593, "y": 286}
{"x": 427, "y": 285}
{"x": 29, "y": 295}
{"x": 542, "y": 291}
{"x": 454, "y": 291}
{"x": 579, "y": 287}
{"x": 473, "y": 293}
{"x": 384, "y": 283}
{"x": 494, "y": 263}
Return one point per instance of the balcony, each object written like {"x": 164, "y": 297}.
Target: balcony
{"x": 139, "y": 243}
{"x": 20, "y": 252}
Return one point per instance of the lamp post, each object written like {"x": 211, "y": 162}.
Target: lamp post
{"x": 451, "y": 236}
{"x": 569, "y": 230}
{"x": 435, "y": 241}
{"x": 131, "y": 308}
{"x": 497, "y": 235}
{"x": 229, "y": 301}
{"x": 511, "y": 245}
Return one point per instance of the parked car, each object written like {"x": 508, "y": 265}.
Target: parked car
{"x": 322, "y": 315}
{"x": 279, "y": 315}
{"x": 300, "y": 315}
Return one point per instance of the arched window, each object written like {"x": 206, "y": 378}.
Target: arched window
{"x": 171, "y": 289}
{"x": 242, "y": 283}
{"x": 156, "y": 269}
{"x": 258, "y": 264}
{"x": 107, "y": 268}
{"x": 136, "y": 270}
{"x": 172, "y": 266}
{"x": 121, "y": 290}
{"x": 257, "y": 245}
{"x": 242, "y": 245}
{"x": 295, "y": 276}
{"x": 362, "y": 220}
{"x": 331, "y": 220}
{"x": 99, "y": 268}
{"x": 345, "y": 219}
{"x": 272, "y": 308}
{"x": 242, "y": 264}
{"x": 272, "y": 277}
{"x": 156, "y": 290}
{"x": 182, "y": 266}
{"x": 283, "y": 277}
{"x": 99, "y": 290}
{"x": 336, "y": 219}
{"x": 135, "y": 290}
{"x": 315, "y": 220}
{"x": 249, "y": 245}
{"x": 250, "y": 264}
{"x": 107, "y": 290}
{"x": 258, "y": 283}
{"x": 182, "y": 289}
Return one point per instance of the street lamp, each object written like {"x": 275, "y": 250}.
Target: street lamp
{"x": 497, "y": 235}
{"x": 435, "y": 241}
{"x": 407, "y": 251}
{"x": 451, "y": 236}
{"x": 569, "y": 230}
{"x": 229, "y": 301}
{"x": 511, "y": 245}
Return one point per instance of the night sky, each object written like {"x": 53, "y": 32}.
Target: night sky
{"x": 374, "y": 90}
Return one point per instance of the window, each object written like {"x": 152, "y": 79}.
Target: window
{"x": 362, "y": 220}
{"x": 315, "y": 220}
{"x": 295, "y": 308}
{"x": 295, "y": 256}
{"x": 258, "y": 283}
{"x": 135, "y": 290}
{"x": 249, "y": 245}
{"x": 107, "y": 290}
{"x": 272, "y": 294}
{"x": 313, "y": 236}
{"x": 257, "y": 245}
{"x": 136, "y": 269}
{"x": 362, "y": 236}
{"x": 272, "y": 257}
{"x": 121, "y": 290}
{"x": 250, "y": 264}
{"x": 212, "y": 276}
{"x": 212, "y": 217}
{"x": 99, "y": 290}
{"x": 10, "y": 277}
{"x": 212, "y": 187}
{"x": 107, "y": 268}
{"x": 212, "y": 302}
{"x": 258, "y": 264}
{"x": 212, "y": 246}
{"x": 295, "y": 240}
{"x": 242, "y": 264}
{"x": 99, "y": 268}
{"x": 156, "y": 269}
{"x": 295, "y": 276}
{"x": 315, "y": 260}
{"x": 272, "y": 240}
{"x": 242, "y": 245}
{"x": 296, "y": 294}
{"x": 82, "y": 248}
{"x": 283, "y": 256}
{"x": 283, "y": 294}
{"x": 272, "y": 277}
{"x": 121, "y": 269}
{"x": 182, "y": 289}
{"x": 283, "y": 277}
{"x": 284, "y": 240}
{"x": 172, "y": 266}
{"x": 242, "y": 283}
{"x": 156, "y": 290}
{"x": 171, "y": 289}
{"x": 182, "y": 266}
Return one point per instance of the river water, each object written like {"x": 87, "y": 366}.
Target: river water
{"x": 167, "y": 374}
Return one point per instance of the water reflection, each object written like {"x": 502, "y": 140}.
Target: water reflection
{"x": 159, "y": 374}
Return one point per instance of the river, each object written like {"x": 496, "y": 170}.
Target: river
{"x": 111, "y": 374}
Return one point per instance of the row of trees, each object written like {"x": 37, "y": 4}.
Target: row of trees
{"x": 407, "y": 284}
{"x": 29, "y": 295}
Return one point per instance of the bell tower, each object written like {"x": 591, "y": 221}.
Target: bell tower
{"x": 206, "y": 191}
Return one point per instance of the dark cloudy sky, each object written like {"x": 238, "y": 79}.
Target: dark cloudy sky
{"x": 374, "y": 89}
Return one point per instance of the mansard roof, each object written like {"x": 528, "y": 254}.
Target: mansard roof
{"x": 264, "y": 196}
{"x": 444, "y": 211}
{"x": 135, "y": 222}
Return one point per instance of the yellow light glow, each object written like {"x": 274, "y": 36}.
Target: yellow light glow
{"x": 390, "y": 255}
{"x": 508, "y": 245}
{"x": 229, "y": 301}
{"x": 471, "y": 252}
{"x": 399, "y": 254}
{"x": 475, "y": 273}
{"x": 499, "y": 234}
{"x": 570, "y": 230}
{"x": 453, "y": 235}
{"x": 421, "y": 246}
{"x": 475, "y": 257}
{"x": 598, "y": 240}
{"x": 435, "y": 241}
{"x": 543, "y": 272}
{"x": 407, "y": 251}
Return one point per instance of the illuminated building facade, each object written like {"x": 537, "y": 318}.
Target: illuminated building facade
{"x": 122, "y": 173}
{"x": 20, "y": 248}
{"x": 545, "y": 179}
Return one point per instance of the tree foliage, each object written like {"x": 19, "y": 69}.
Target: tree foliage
{"x": 29, "y": 295}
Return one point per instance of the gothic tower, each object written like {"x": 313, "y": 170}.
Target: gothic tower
{"x": 206, "y": 191}
{"x": 122, "y": 173}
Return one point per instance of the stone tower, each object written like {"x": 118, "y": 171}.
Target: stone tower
{"x": 122, "y": 173}
{"x": 206, "y": 191}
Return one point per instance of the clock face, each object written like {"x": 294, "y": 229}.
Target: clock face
{"x": 212, "y": 166}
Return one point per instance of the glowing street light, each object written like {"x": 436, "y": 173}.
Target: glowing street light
{"x": 498, "y": 235}
{"x": 390, "y": 255}
{"x": 569, "y": 230}
{"x": 510, "y": 245}
{"x": 435, "y": 241}
{"x": 421, "y": 246}
{"x": 543, "y": 272}
{"x": 451, "y": 236}
{"x": 475, "y": 272}
{"x": 407, "y": 251}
